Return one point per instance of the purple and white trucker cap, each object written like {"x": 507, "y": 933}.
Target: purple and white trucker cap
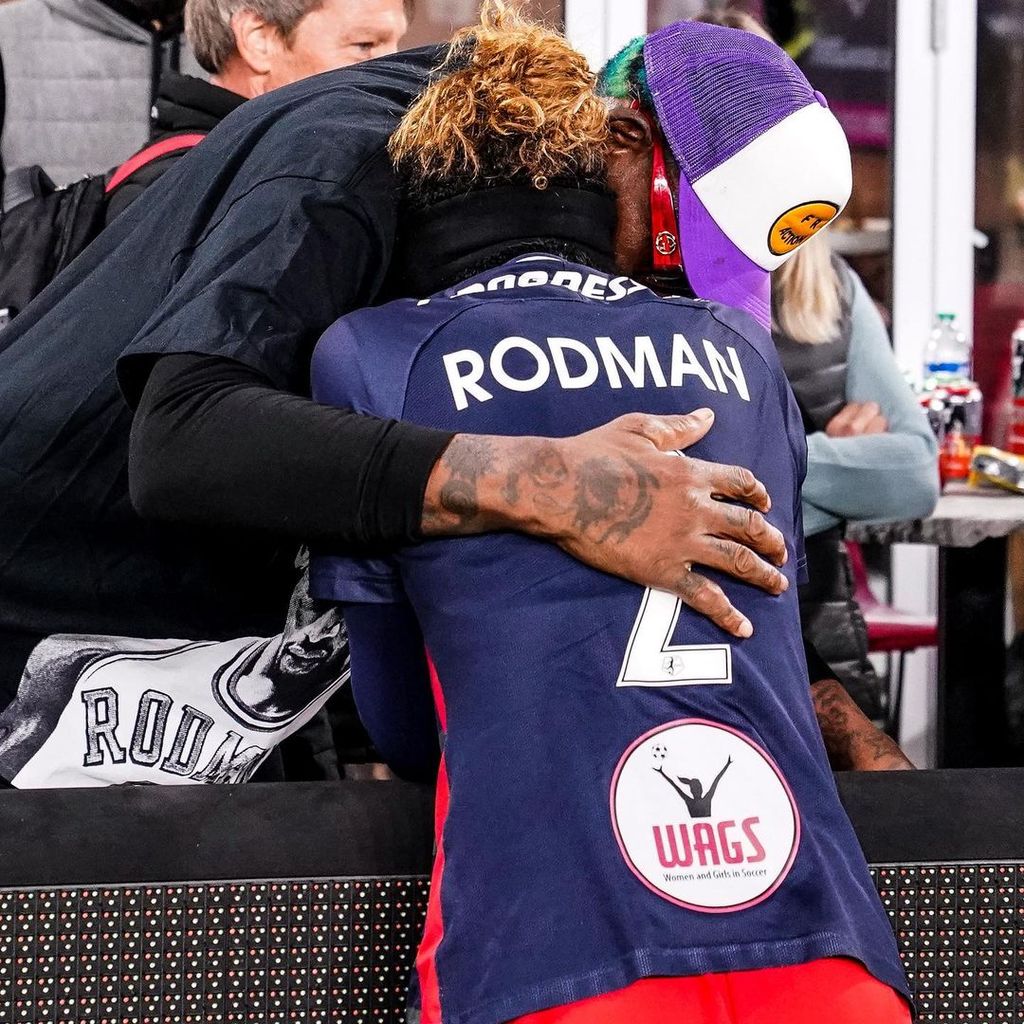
{"x": 763, "y": 162}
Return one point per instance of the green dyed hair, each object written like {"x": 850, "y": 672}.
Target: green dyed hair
{"x": 624, "y": 77}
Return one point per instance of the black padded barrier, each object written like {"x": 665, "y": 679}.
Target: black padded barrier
{"x": 303, "y": 903}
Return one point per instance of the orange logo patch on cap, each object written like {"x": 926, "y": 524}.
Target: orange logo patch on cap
{"x": 795, "y": 226}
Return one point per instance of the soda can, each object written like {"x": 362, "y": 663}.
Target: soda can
{"x": 936, "y": 409}
{"x": 965, "y": 411}
{"x": 1017, "y": 360}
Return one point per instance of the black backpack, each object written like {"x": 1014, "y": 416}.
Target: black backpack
{"x": 43, "y": 228}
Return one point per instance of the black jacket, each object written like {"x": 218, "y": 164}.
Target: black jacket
{"x": 184, "y": 106}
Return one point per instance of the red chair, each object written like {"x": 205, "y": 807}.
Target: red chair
{"x": 890, "y": 631}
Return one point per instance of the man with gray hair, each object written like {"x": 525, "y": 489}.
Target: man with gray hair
{"x": 250, "y": 47}
{"x": 253, "y": 46}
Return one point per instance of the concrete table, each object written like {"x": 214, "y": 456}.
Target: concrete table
{"x": 970, "y": 528}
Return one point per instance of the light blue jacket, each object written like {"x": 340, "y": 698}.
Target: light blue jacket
{"x": 877, "y": 476}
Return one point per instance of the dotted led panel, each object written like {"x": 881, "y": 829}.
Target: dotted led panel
{"x": 959, "y": 932}
{"x": 253, "y": 952}
{"x": 341, "y": 950}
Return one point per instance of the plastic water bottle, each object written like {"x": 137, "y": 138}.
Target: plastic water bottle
{"x": 947, "y": 356}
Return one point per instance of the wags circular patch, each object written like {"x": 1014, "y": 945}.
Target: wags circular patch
{"x": 795, "y": 226}
{"x": 703, "y": 816}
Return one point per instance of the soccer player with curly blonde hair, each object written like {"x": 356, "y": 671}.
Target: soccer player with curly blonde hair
{"x": 636, "y": 817}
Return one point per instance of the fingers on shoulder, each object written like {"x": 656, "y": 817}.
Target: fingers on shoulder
{"x": 669, "y": 432}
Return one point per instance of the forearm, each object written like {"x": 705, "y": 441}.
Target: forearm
{"x": 620, "y": 499}
{"x": 817, "y": 520}
{"x": 487, "y": 482}
{"x": 874, "y": 476}
{"x": 852, "y": 741}
{"x": 553, "y": 488}
{"x": 881, "y": 476}
{"x": 214, "y": 444}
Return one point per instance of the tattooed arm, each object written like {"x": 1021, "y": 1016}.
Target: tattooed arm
{"x": 853, "y": 742}
{"x": 616, "y": 499}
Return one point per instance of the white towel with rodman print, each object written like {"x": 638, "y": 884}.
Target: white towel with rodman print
{"x": 101, "y": 710}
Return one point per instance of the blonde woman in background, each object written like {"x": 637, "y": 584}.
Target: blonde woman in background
{"x": 872, "y": 454}
{"x": 870, "y": 451}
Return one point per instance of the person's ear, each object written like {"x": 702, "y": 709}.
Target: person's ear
{"x": 255, "y": 40}
{"x": 629, "y": 131}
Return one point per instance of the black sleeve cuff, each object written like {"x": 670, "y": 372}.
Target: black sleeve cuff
{"x": 215, "y": 444}
{"x": 391, "y": 508}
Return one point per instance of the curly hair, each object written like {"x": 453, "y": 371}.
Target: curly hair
{"x": 512, "y": 102}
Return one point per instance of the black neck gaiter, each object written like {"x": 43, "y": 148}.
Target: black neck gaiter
{"x": 456, "y": 237}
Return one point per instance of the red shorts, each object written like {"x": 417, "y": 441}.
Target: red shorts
{"x": 834, "y": 991}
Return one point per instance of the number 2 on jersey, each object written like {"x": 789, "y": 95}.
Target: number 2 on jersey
{"x": 651, "y": 660}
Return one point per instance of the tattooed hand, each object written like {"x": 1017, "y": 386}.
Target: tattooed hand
{"x": 618, "y": 499}
{"x": 853, "y": 741}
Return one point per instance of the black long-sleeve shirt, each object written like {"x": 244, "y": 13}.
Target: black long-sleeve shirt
{"x": 214, "y": 443}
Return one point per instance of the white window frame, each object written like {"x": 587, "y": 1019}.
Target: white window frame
{"x": 933, "y": 259}
{"x": 600, "y": 28}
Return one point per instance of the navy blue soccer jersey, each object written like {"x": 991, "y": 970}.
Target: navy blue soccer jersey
{"x": 626, "y": 790}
